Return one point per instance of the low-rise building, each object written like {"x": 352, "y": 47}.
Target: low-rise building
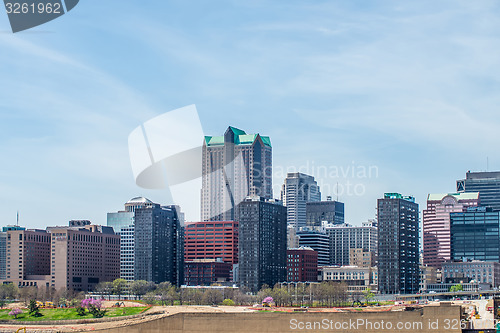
{"x": 356, "y": 278}
{"x": 478, "y": 271}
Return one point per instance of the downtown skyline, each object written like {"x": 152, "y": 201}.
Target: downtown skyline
{"x": 403, "y": 88}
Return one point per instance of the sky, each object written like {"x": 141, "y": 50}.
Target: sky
{"x": 405, "y": 94}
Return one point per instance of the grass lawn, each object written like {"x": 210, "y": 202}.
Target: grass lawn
{"x": 70, "y": 313}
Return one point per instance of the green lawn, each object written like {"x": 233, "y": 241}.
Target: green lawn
{"x": 70, "y": 313}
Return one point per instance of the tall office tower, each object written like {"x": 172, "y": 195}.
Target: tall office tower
{"x": 486, "y": 183}
{"x": 83, "y": 256}
{"x": 3, "y": 249}
{"x": 211, "y": 240}
{"x": 297, "y": 190}
{"x": 159, "y": 245}
{"x": 329, "y": 211}
{"x": 344, "y": 237}
{"x": 262, "y": 243}
{"x": 317, "y": 240}
{"x": 235, "y": 166}
{"x": 398, "y": 244}
{"x": 436, "y": 224}
{"x": 28, "y": 256}
{"x": 122, "y": 223}
{"x": 475, "y": 234}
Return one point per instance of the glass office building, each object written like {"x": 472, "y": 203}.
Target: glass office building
{"x": 486, "y": 183}
{"x": 475, "y": 235}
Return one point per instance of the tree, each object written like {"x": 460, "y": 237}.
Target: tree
{"x": 7, "y": 291}
{"x": 455, "y": 288}
{"x": 105, "y": 288}
{"x": 139, "y": 288}
{"x": 368, "y": 294}
{"x": 15, "y": 312}
{"x": 119, "y": 287}
{"x": 33, "y": 309}
{"x": 212, "y": 296}
{"x": 27, "y": 293}
{"x": 228, "y": 302}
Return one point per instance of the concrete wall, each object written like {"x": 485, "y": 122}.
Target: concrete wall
{"x": 440, "y": 319}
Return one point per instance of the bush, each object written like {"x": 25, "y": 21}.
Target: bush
{"x": 80, "y": 310}
{"x": 94, "y": 307}
{"x": 228, "y": 302}
{"x": 33, "y": 309}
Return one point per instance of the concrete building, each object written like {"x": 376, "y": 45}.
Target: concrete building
{"x": 318, "y": 240}
{"x": 262, "y": 243}
{"x": 428, "y": 275}
{"x": 436, "y": 224}
{"x": 235, "y": 166}
{"x": 472, "y": 271}
{"x": 302, "y": 265}
{"x": 475, "y": 235}
{"x": 330, "y": 211}
{"x": 297, "y": 190}
{"x": 205, "y": 272}
{"x": 361, "y": 258}
{"x": 122, "y": 223}
{"x": 82, "y": 257}
{"x": 292, "y": 238}
{"x": 28, "y": 257}
{"x": 3, "y": 249}
{"x": 486, "y": 183}
{"x": 356, "y": 278}
{"x": 398, "y": 244}
{"x": 344, "y": 237}
{"x": 159, "y": 245}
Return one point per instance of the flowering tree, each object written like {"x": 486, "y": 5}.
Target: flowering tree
{"x": 268, "y": 300}
{"x": 94, "y": 306}
{"x": 15, "y": 312}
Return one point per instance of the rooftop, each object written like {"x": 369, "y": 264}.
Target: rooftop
{"x": 458, "y": 196}
{"x": 240, "y": 138}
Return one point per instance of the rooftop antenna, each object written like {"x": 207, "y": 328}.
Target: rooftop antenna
{"x": 337, "y": 191}
{"x": 17, "y": 220}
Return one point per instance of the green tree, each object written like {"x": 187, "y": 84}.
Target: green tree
{"x": 7, "y": 292}
{"x": 228, "y": 302}
{"x": 119, "y": 287}
{"x": 139, "y": 288}
{"x": 33, "y": 309}
{"x": 368, "y": 294}
{"x": 455, "y": 288}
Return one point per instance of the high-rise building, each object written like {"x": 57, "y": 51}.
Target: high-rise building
{"x": 205, "y": 272}
{"x": 317, "y": 240}
{"x": 3, "y": 249}
{"x": 344, "y": 237}
{"x": 302, "y": 265}
{"x": 330, "y": 211}
{"x": 235, "y": 166}
{"x": 211, "y": 240}
{"x": 262, "y": 243}
{"x": 398, "y": 244}
{"x": 122, "y": 223}
{"x": 475, "y": 235}
{"x": 486, "y": 183}
{"x": 436, "y": 224}
{"x": 159, "y": 245}
{"x": 28, "y": 257}
{"x": 83, "y": 256}
{"x": 297, "y": 190}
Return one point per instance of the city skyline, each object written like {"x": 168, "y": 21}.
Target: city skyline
{"x": 333, "y": 85}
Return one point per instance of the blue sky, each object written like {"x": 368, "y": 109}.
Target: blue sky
{"x": 408, "y": 88}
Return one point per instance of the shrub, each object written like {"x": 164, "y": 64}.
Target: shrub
{"x": 80, "y": 310}
{"x": 34, "y": 309}
{"x": 94, "y": 307}
{"x": 228, "y": 302}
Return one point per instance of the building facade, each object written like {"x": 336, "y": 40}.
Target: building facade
{"x": 486, "y": 183}
{"x": 302, "y": 265}
{"x": 357, "y": 279}
{"x": 344, "y": 237}
{"x": 330, "y": 211}
{"x": 318, "y": 241}
{"x": 398, "y": 244}
{"x": 466, "y": 272}
{"x": 475, "y": 235}
{"x": 262, "y": 243}
{"x": 361, "y": 257}
{"x": 235, "y": 165}
{"x": 205, "y": 272}
{"x": 436, "y": 224}
{"x": 297, "y": 190}
{"x": 159, "y": 245}
{"x": 122, "y": 223}
{"x": 84, "y": 256}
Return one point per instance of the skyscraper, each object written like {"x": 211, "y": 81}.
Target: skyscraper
{"x": 398, "y": 244}
{"x": 123, "y": 224}
{"x": 159, "y": 245}
{"x": 317, "y": 240}
{"x": 330, "y": 211}
{"x": 486, "y": 183}
{"x": 297, "y": 190}
{"x": 436, "y": 224}
{"x": 235, "y": 166}
{"x": 262, "y": 243}
{"x": 475, "y": 234}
